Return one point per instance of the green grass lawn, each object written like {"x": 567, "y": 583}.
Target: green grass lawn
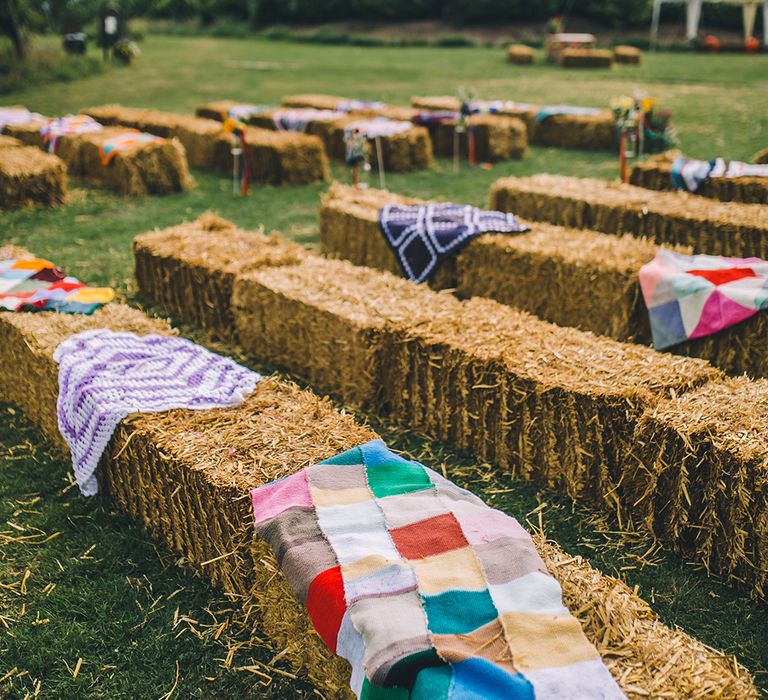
{"x": 142, "y": 624}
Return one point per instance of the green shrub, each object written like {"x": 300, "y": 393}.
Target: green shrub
{"x": 454, "y": 40}
{"x": 47, "y": 65}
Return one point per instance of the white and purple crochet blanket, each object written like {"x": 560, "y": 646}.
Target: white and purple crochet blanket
{"x": 379, "y": 126}
{"x": 105, "y": 376}
{"x": 17, "y": 116}
{"x": 358, "y": 105}
{"x": 689, "y": 175}
{"x": 298, "y": 119}
{"x": 422, "y": 236}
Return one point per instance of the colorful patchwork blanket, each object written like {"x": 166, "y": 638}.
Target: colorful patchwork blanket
{"x": 689, "y": 175}
{"x": 690, "y": 296}
{"x": 298, "y": 119}
{"x": 428, "y": 593}
{"x": 496, "y": 106}
{"x": 379, "y": 126}
{"x": 435, "y": 117}
{"x": 17, "y": 116}
{"x": 37, "y": 284}
{"x": 422, "y": 236}
{"x": 104, "y": 376}
{"x": 128, "y": 141}
{"x": 71, "y": 125}
{"x": 555, "y": 110}
{"x": 243, "y": 112}
{"x": 358, "y": 105}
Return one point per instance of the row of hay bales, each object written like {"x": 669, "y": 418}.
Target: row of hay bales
{"x": 152, "y": 168}
{"x": 656, "y": 174}
{"x": 175, "y": 472}
{"x": 275, "y": 158}
{"x": 402, "y": 152}
{"x": 586, "y": 415}
{"x": 29, "y": 177}
{"x": 572, "y": 277}
{"x": 589, "y": 132}
{"x": 667, "y": 218}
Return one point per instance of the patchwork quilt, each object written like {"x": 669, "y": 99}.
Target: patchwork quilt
{"x": 690, "y": 296}
{"x": 17, "y": 116}
{"x": 379, "y": 126}
{"x": 689, "y": 175}
{"x": 428, "y": 593}
{"x": 358, "y": 105}
{"x": 128, "y": 141}
{"x": 104, "y": 376}
{"x": 422, "y": 236}
{"x": 37, "y": 284}
{"x": 71, "y": 125}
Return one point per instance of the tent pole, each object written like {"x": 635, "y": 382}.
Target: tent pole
{"x": 655, "y": 24}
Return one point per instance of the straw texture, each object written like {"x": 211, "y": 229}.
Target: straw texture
{"x": 668, "y": 218}
{"x": 497, "y": 138}
{"x": 761, "y": 157}
{"x": 706, "y": 452}
{"x": 189, "y": 270}
{"x": 275, "y": 158}
{"x": 29, "y": 177}
{"x": 655, "y": 173}
{"x": 520, "y": 54}
{"x": 585, "y": 58}
{"x": 185, "y": 475}
{"x": 627, "y": 54}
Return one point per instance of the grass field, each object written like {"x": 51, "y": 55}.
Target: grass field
{"x": 99, "y": 590}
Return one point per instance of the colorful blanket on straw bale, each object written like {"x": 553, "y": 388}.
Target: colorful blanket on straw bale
{"x": 357, "y": 105}
{"x": 435, "y": 117}
{"x": 496, "y": 106}
{"x": 422, "y": 236}
{"x": 128, "y": 141}
{"x": 555, "y": 110}
{"x": 17, "y": 116}
{"x": 429, "y": 593}
{"x": 379, "y": 126}
{"x": 242, "y": 112}
{"x": 690, "y": 296}
{"x": 37, "y": 284}
{"x": 298, "y": 119}
{"x": 71, "y": 125}
{"x": 104, "y": 376}
{"x": 689, "y": 175}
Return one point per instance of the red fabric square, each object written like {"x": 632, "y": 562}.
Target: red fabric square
{"x": 326, "y": 605}
{"x": 729, "y": 274}
{"x": 427, "y": 537}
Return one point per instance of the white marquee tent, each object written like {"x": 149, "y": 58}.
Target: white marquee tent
{"x": 693, "y": 16}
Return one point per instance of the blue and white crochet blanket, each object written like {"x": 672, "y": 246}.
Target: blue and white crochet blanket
{"x": 555, "y": 110}
{"x": 689, "y": 174}
{"x": 422, "y": 236}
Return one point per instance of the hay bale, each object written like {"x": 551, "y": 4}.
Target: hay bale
{"x": 218, "y": 110}
{"x": 668, "y": 218}
{"x": 585, "y": 58}
{"x": 655, "y": 173}
{"x": 28, "y": 134}
{"x": 548, "y": 403}
{"x": 497, "y": 138}
{"x": 706, "y": 452}
{"x": 9, "y": 142}
{"x": 284, "y": 158}
{"x": 313, "y": 101}
{"x": 761, "y": 157}
{"x": 520, "y": 54}
{"x": 29, "y": 177}
{"x": 175, "y": 473}
{"x": 630, "y": 55}
{"x": 349, "y": 229}
{"x": 189, "y": 270}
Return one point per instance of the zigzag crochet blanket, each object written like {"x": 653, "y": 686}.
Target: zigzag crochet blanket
{"x": 105, "y": 376}
{"x": 688, "y": 174}
{"x": 428, "y": 593}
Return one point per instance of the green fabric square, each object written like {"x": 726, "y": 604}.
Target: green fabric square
{"x": 404, "y": 672}
{"x": 397, "y": 478}
{"x": 459, "y": 612}
{"x": 377, "y": 692}
{"x": 432, "y": 683}
{"x": 348, "y": 458}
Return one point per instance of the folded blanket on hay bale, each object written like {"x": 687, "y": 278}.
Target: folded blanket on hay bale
{"x": 276, "y": 158}
{"x": 668, "y": 218}
{"x": 589, "y": 132}
{"x": 572, "y": 277}
{"x": 183, "y": 474}
{"x": 143, "y": 169}
{"x": 586, "y": 58}
{"x": 29, "y": 177}
{"x": 552, "y": 404}
{"x": 656, "y": 174}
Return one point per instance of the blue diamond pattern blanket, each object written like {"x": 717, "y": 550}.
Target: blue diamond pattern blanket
{"x": 422, "y": 236}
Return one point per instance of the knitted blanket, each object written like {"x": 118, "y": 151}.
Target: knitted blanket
{"x": 38, "y": 285}
{"x": 555, "y": 110}
{"x": 690, "y": 296}
{"x": 71, "y": 125}
{"x": 689, "y": 175}
{"x": 129, "y": 141}
{"x": 432, "y": 118}
{"x": 242, "y": 112}
{"x": 423, "y": 236}
{"x": 358, "y": 105}
{"x": 17, "y": 116}
{"x": 104, "y": 376}
{"x": 428, "y": 593}
{"x": 298, "y": 119}
{"x": 379, "y": 126}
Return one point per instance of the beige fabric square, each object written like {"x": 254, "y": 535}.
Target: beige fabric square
{"x": 327, "y": 498}
{"x": 454, "y": 570}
